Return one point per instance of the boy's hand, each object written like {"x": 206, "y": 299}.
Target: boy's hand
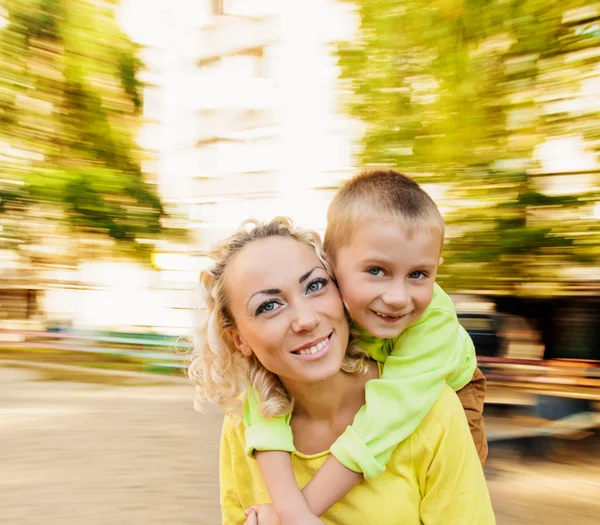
{"x": 261, "y": 515}
{"x": 266, "y": 515}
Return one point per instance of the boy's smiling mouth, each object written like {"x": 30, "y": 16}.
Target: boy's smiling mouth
{"x": 387, "y": 317}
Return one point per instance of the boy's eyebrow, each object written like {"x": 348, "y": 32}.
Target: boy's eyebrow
{"x": 384, "y": 260}
{"x": 273, "y": 291}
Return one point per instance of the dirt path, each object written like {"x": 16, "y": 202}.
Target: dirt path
{"x": 79, "y": 454}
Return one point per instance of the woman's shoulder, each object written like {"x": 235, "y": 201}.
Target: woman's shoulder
{"x": 232, "y": 425}
{"x": 445, "y": 419}
{"x": 233, "y": 440}
{"x": 232, "y": 432}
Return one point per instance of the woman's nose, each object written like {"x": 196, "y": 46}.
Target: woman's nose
{"x": 305, "y": 320}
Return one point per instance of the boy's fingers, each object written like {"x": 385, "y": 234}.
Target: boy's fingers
{"x": 252, "y": 519}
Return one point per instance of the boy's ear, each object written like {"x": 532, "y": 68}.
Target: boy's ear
{"x": 440, "y": 262}
{"x": 240, "y": 342}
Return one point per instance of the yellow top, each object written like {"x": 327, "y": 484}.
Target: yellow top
{"x": 433, "y": 478}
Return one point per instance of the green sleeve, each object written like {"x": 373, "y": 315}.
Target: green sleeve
{"x": 262, "y": 433}
{"x": 428, "y": 354}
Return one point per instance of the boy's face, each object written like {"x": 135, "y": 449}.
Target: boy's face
{"x": 387, "y": 278}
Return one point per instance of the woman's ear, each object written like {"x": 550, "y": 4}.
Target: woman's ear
{"x": 440, "y": 262}
{"x": 240, "y": 343}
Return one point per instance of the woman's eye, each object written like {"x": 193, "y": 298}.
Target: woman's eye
{"x": 316, "y": 285}
{"x": 418, "y": 275}
{"x": 376, "y": 271}
{"x": 266, "y": 307}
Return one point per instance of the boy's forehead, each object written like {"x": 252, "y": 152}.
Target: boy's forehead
{"x": 381, "y": 237}
{"x": 378, "y": 231}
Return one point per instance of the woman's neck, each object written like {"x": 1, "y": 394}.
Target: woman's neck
{"x": 326, "y": 400}
{"x": 323, "y": 410}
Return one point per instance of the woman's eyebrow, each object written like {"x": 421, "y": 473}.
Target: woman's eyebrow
{"x": 307, "y": 274}
{"x": 268, "y": 291}
{"x": 273, "y": 291}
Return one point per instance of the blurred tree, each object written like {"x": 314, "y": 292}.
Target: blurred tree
{"x": 463, "y": 93}
{"x": 70, "y": 104}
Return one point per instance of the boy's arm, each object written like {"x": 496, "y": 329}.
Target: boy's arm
{"x": 262, "y": 433}
{"x": 472, "y": 398}
{"x": 271, "y": 440}
{"x": 287, "y": 500}
{"x": 329, "y": 485}
{"x": 425, "y": 356}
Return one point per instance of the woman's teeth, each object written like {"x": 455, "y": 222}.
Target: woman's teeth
{"x": 313, "y": 349}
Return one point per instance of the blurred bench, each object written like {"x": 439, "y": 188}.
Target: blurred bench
{"x": 159, "y": 352}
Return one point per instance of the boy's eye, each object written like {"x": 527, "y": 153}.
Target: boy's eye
{"x": 316, "y": 285}
{"x": 267, "y": 307}
{"x": 418, "y": 275}
{"x": 376, "y": 271}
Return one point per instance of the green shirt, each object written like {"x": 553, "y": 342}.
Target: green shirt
{"x": 433, "y": 351}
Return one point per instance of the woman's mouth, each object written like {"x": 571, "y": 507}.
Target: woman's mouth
{"x": 315, "y": 351}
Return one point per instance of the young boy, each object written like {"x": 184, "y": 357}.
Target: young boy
{"x": 384, "y": 240}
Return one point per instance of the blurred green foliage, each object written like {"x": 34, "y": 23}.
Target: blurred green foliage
{"x": 461, "y": 92}
{"x": 70, "y": 104}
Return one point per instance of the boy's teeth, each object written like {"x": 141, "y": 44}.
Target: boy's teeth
{"x": 389, "y": 316}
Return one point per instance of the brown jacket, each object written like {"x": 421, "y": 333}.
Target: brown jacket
{"x": 472, "y": 397}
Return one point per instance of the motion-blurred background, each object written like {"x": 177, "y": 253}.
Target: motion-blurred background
{"x": 134, "y": 134}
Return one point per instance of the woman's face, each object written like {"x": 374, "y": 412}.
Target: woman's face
{"x": 287, "y": 310}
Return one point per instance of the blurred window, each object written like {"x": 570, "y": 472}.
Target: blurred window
{"x": 247, "y": 156}
{"x": 217, "y": 7}
{"x": 210, "y": 63}
{"x": 248, "y": 63}
{"x": 207, "y": 160}
{"x": 238, "y": 156}
{"x": 483, "y": 324}
{"x": 246, "y": 8}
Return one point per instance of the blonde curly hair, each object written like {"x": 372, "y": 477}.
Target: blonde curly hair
{"x": 220, "y": 372}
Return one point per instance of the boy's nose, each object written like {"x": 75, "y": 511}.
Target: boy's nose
{"x": 396, "y": 297}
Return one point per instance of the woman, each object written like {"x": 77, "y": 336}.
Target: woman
{"x": 276, "y": 321}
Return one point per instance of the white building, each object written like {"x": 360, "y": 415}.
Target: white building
{"x": 248, "y": 117}
{"x": 244, "y": 119}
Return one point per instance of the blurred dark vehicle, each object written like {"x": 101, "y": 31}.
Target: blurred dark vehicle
{"x": 569, "y": 325}
{"x": 486, "y": 331}
{"x": 502, "y": 335}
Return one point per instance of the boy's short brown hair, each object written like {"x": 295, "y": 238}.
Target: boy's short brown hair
{"x": 379, "y": 195}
